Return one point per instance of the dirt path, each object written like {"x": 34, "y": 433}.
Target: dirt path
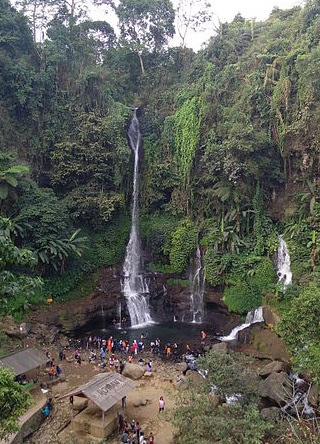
{"x": 58, "y": 430}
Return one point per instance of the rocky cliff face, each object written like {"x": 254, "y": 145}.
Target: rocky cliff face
{"x": 165, "y": 301}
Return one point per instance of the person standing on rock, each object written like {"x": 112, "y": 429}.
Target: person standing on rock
{"x": 161, "y": 404}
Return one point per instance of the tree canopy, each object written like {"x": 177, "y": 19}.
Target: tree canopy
{"x": 14, "y": 401}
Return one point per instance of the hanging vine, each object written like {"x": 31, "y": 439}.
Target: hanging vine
{"x": 187, "y": 135}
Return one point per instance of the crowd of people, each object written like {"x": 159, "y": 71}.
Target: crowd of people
{"x": 115, "y": 353}
{"x": 112, "y": 351}
{"x": 132, "y": 433}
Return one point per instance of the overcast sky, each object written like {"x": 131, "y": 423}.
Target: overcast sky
{"x": 223, "y": 11}
{"x": 226, "y": 10}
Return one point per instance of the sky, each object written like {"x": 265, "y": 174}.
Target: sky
{"x": 223, "y": 11}
{"x": 226, "y": 10}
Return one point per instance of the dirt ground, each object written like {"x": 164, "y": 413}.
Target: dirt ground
{"x": 58, "y": 429}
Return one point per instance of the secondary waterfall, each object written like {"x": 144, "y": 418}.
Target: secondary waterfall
{"x": 283, "y": 264}
{"x": 134, "y": 286}
{"x": 253, "y": 316}
{"x": 197, "y": 279}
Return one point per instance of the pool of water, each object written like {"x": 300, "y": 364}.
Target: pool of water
{"x": 169, "y": 332}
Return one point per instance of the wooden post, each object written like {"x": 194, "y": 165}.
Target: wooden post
{"x": 103, "y": 419}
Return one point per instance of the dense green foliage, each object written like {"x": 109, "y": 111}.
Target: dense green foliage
{"x": 230, "y": 154}
{"x": 299, "y": 327}
{"x": 238, "y": 422}
{"x": 14, "y": 400}
{"x": 251, "y": 278}
{"x": 17, "y": 288}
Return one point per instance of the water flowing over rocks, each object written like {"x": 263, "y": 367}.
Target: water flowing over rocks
{"x": 165, "y": 301}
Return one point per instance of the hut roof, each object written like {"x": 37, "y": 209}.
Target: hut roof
{"x": 24, "y": 360}
{"x": 105, "y": 389}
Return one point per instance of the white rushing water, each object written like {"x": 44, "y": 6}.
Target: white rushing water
{"x": 134, "y": 286}
{"x": 197, "y": 280}
{"x": 283, "y": 264}
{"x": 253, "y": 316}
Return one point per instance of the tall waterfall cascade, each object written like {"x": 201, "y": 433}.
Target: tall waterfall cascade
{"x": 253, "y": 316}
{"x": 197, "y": 286}
{"x": 283, "y": 264}
{"x": 134, "y": 285}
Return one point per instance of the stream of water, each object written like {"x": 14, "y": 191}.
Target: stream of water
{"x": 134, "y": 285}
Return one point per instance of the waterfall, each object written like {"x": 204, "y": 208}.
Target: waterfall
{"x": 103, "y": 315}
{"x": 119, "y": 314}
{"x": 197, "y": 279}
{"x": 255, "y": 315}
{"x": 283, "y": 264}
{"x": 134, "y": 285}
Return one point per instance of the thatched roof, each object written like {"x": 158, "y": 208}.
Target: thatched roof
{"x": 24, "y": 360}
{"x": 104, "y": 390}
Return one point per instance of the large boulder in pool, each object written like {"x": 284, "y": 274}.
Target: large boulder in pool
{"x": 133, "y": 371}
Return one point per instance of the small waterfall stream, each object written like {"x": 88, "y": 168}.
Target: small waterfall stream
{"x": 253, "y": 316}
{"x": 134, "y": 286}
{"x": 283, "y": 264}
{"x": 197, "y": 280}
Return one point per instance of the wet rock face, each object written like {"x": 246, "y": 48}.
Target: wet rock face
{"x": 165, "y": 302}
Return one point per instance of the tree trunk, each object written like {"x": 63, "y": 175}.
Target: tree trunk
{"x": 141, "y": 64}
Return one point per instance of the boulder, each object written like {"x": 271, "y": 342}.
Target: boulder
{"x": 274, "y": 366}
{"x": 270, "y": 317}
{"x": 133, "y": 371}
{"x": 193, "y": 377}
{"x": 181, "y": 366}
{"x": 221, "y": 347}
{"x": 140, "y": 402}
{"x": 12, "y": 329}
{"x": 277, "y": 387}
{"x": 271, "y": 413}
{"x": 24, "y": 329}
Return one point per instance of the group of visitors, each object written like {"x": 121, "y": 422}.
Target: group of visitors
{"x": 54, "y": 370}
{"x": 132, "y": 433}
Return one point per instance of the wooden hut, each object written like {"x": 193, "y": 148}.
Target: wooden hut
{"x": 105, "y": 391}
{"x": 25, "y": 364}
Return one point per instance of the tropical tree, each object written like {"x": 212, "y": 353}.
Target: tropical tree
{"x": 17, "y": 288}
{"x": 55, "y": 253}
{"x": 14, "y": 401}
{"x": 191, "y": 16}
{"x": 145, "y": 25}
{"x": 9, "y": 176}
